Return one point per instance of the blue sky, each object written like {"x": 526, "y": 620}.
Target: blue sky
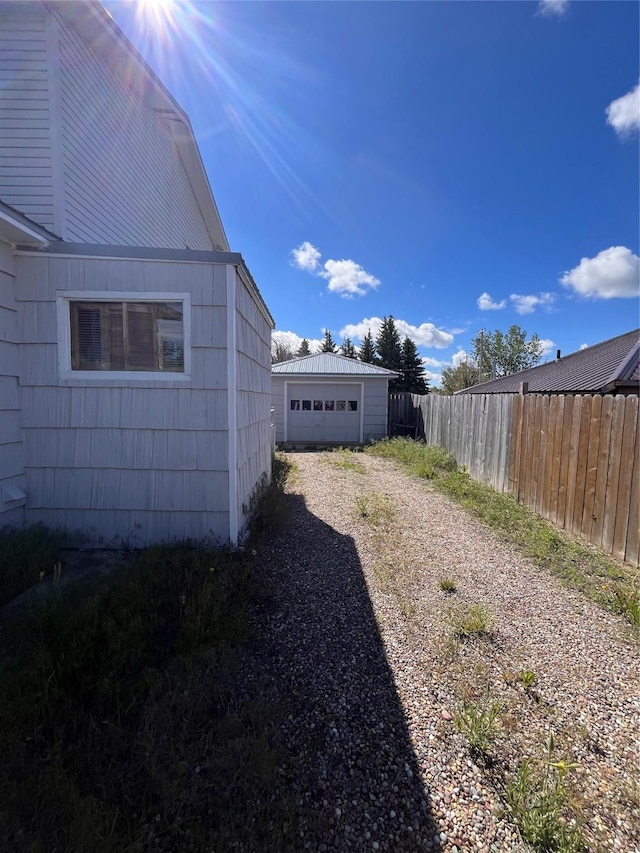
{"x": 459, "y": 165}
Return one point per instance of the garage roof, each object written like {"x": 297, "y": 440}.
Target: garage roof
{"x": 329, "y": 364}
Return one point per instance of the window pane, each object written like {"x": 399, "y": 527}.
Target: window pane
{"x": 295, "y": 405}
{"x": 341, "y": 405}
{"x": 317, "y": 405}
{"x": 328, "y": 405}
{"x": 145, "y": 336}
{"x": 353, "y": 405}
{"x": 306, "y": 405}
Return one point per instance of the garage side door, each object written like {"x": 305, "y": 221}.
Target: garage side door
{"x": 328, "y": 412}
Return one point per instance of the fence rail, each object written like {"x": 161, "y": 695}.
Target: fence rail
{"x": 574, "y": 459}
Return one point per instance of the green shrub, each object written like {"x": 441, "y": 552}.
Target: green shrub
{"x": 469, "y": 620}
{"x": 477, "y": 723}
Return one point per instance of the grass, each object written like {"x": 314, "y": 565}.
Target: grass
{"x": 447, "y": 585}
{"x": 26, "y": 557}
{"x": 603, "y": 580}
{"x": 469, "y": 620}
{"x": 120, "y": 725}
{"x": 375, "y": 508}
{"x": 477, "y": 722}
{"x": 537, "y": 801}
{"x": 345, "y": 460}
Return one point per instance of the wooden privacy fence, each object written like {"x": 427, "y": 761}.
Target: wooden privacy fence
{"x": 573, "y": 459}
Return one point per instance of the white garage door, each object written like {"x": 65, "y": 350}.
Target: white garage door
{"x": 324, "y": 412}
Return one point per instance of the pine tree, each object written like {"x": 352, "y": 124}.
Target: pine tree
{"x": 303, "y": 349}
{"x": 413, "y": 378}
{"x": 328, "y": 344}
{"x": 367, "y": 352}
{"x": 347, "y": 349}
{"x": 388, "y": 345}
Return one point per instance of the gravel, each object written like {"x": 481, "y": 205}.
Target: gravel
{"x": 354, "y": 649}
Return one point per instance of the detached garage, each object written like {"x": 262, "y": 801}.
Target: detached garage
{"x": 329, "y": 399}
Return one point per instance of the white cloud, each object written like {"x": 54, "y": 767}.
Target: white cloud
{"x": 345, "y": 277}
{"x": 614, "y": 272}
{"x": 548, "y": 346}
{"x": 293, "y": 341}
{"x": 460, "y": 357}
{"x": 434, "y": 378}
{"x": 583, "y": 346}
{"x": 486, "y": 303}
{"x": 528, "y": 304}
{"x": 424, "y": 335}
{"x": 623, "y": 114}
{"x": 552, "y": 7}
{"x": 306, "y": 257}
{"x": 432, "y": 362}
{"x": 348, "y": 278}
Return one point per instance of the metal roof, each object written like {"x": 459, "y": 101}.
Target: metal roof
{"x": 601, "y": 368}
{"x": 329, "y": 364}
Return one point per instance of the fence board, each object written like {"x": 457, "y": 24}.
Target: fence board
{"x": 544, "y": 403}
{"x": 629, "y": 435}
{"x": 632, "y": 551}
{"x": 602, "y": 464}
{"x": 591, "y": 468}
{"x": 555, "y": 455}
{"x": 613, "y": 474}
{"x": 582, "y": 448}
{"x": 565, "y": 457}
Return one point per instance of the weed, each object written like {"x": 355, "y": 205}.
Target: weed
{"x": 477, "y": 723}
{"x": 344, "y": 459}
{"x": 376, "y": 508}
{"x": 26, "y": 557}
{"x": 627, "y": 601}
{"x": 407, "y": 607}
{"x": 527, "y": 678}
{"x": 470, "y": 620}
{"x": 447, "y": 585}
{"x": 537, "y": 801}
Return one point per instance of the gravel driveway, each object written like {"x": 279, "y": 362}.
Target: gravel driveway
{"x": 355, "y": 646}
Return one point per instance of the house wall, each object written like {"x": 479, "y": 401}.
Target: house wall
{"x": 133, "y": 460}
{"x": 375, "y": 393}
{"x": 83, "y": 152}
{"x": 26, "y": 170}
{"x": 253, "y": 398}
{"x": 12, "y": 472}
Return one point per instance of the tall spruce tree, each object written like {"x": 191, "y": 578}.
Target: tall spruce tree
{"x": 303, "y": 349}
{"x": 367, "y": 352}
{"x": 413, "y": 378}
{"x": 388, "y": 345}
{"x": 347, "y": 348}
{"x": 328, "y": 344}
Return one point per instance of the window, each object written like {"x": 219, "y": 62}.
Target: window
{"x": 328, "y": 405}
{"x": 117, "y": 335}
{"x": 317, "y": 405}
{"x": 306, "y": 405}
{"x": 295, "y": 405}
{"x": 341, "y": 405}
{"x": 353, "y": 405}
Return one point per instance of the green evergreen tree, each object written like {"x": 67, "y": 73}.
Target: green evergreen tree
{"x": 303, "y": 349}
{"x": 413, "y": 378}
{"x": 328, "y": 344}
{"x": 367, "y": 352}
{"x": 388, "y": 345}
{"x": 347, "y": 349}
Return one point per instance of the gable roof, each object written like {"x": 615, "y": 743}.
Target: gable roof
{"x": 602, "y": 368}
{"x": 106, "y": 38}
{"x": 330, "y": 364}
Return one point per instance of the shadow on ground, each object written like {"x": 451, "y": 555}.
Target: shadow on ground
{"x": 318, "y": 655}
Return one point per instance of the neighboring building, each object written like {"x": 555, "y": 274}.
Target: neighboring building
{"x": 610, "y": 367}
{"x": 135, "y": 348}
{"x": 329, "y": 399}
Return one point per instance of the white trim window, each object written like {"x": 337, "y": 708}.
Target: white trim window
{"x": 124, "y": 335}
